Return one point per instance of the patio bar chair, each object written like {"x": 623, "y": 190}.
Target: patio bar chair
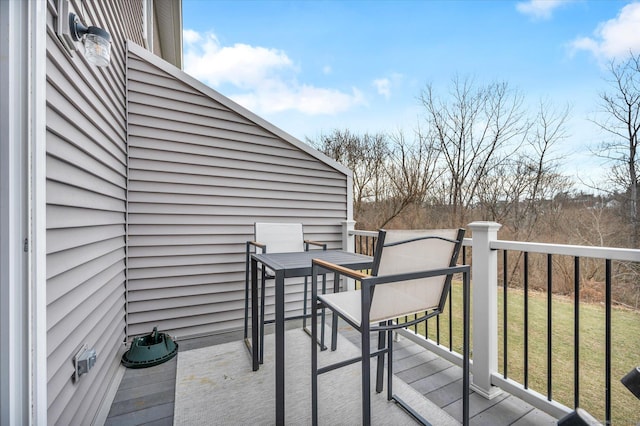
{"x": 411, "y": 275}
{"x": 272, "y": 237}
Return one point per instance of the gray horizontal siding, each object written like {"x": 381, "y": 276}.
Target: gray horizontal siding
{"x": 86, "y": 209}
{"x": 201, "y": 172}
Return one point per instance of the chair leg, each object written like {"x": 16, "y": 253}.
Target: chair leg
{"x": 334, "y": 316}
{"x": 262, "y": 309}
{"x": 390, "y": 365}
{"x": 323, "y": 319}
{"x": 304, "y": 310}
{"x": 380, "y": 371}
{"x": 314, "y": 357}
{"x": 366, "y": 375}
{"x": 246, "y": 294}
{"x": 304, "y": 305}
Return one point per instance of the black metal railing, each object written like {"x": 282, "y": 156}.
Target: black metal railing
{"x": 365, "y": 244}
{"x": 582, "y": 371}
{"x": 561, "y": 293}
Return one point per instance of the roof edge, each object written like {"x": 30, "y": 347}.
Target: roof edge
{"x": 169, "y": 28}
{"x": 218, "y": 97}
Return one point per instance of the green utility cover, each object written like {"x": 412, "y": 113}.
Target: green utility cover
{"x": 150, "y": 350}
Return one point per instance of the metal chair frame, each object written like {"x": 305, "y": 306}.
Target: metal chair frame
{"x": 252, "y": 247}
{"x": 385, "y": 328}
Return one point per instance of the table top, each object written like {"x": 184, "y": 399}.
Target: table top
{"x": 298, "y": 264}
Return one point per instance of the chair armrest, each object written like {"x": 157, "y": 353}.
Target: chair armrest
{"x": 406, "y": 276}
{"x": 256, "y": 244}
{"x": 356, "y": 275}
{"x": 314, "y": 243}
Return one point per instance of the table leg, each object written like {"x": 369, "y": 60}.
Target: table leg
{"x": 280, "y": 355}
{"x": 334, "y": 317}
{"x": 254, "y": 315}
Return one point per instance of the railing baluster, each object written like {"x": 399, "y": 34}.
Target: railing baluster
{"x": 426, "y": 327}
{"x": 450, "y": 318}
{"x": 526, "y": 320}
{"x": 504, "y": 313}
{"x": 576, "y": 334}
{"x": 549, "y": 326}
{"x": 464, "y": 262}
{"x": 607, "y": 357}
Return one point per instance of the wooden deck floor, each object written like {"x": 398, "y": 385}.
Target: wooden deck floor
{"x": 146, "y": 396}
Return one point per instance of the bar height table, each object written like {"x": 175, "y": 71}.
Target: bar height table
{"x": 287, "y": 265}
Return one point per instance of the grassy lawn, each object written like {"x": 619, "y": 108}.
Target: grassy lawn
{"x": 625, "y": 343}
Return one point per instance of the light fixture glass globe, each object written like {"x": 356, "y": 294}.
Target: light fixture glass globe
{"x": 97, "y": 50}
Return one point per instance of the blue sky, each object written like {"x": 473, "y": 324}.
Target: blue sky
{"x": 313, "y": 66}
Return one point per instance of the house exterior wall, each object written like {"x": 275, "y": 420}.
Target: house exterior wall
{"x": 86, "y": 162}
{"x": 149, "y": 202}
{"x": 202, "y": 170}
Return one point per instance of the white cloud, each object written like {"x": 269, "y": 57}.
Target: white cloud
{"x": 383, "y": 87}
{"x": 241, "y": 65}
{"x": 190, "y": 36}
{"x": 265, "y": 77}
{"x": 540, "y": 9}
{"x": 615, "y": 37}
{"x": 306, "y": 99}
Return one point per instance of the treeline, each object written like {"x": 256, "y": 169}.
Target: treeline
{"x": 532, "y": 204}
{"x": 478, "y": 153}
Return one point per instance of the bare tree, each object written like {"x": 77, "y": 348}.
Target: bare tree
{"x": 476, "y": 129}
{"x": 539, "y": 166}
{"x": 621, "y": 119}
{"x": 365, "y": 155}
{"x": 519, "y": 192}
{"x": 411, "y": 171}
{"x": 390, "y": 173}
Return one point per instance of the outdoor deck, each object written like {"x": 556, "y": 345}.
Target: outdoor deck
{"x": 146, "y": 396}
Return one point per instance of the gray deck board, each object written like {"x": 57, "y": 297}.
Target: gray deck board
{"x": 143, "y": 416}
{"x": 146, "y": 396}
{"x": 411, "y": 361}
{"x": 149, "y": 389}
{"x": 152, "y": 375}
{"x": 508, "y": 411}
{"x": 146, "y": 401}
{"x": 167, "y": 421}
{"x": 536, "y": 417}
{"x": 438, "y": 380}
{"x": 422, "y": 371}
{"x": 446, "y": 394}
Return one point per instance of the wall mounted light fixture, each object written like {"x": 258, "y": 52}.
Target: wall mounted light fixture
{"x": 97, "y": 42}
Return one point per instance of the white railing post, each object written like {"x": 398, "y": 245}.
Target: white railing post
{"x": 348, "y": 244}
{"x": 484, "y": 273}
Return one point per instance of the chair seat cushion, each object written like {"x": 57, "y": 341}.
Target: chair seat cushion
{"x": 348, "y": 304}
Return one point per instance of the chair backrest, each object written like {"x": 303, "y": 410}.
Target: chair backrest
{"x": 280, "y": 237}
{"x": 402, "y": 251}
